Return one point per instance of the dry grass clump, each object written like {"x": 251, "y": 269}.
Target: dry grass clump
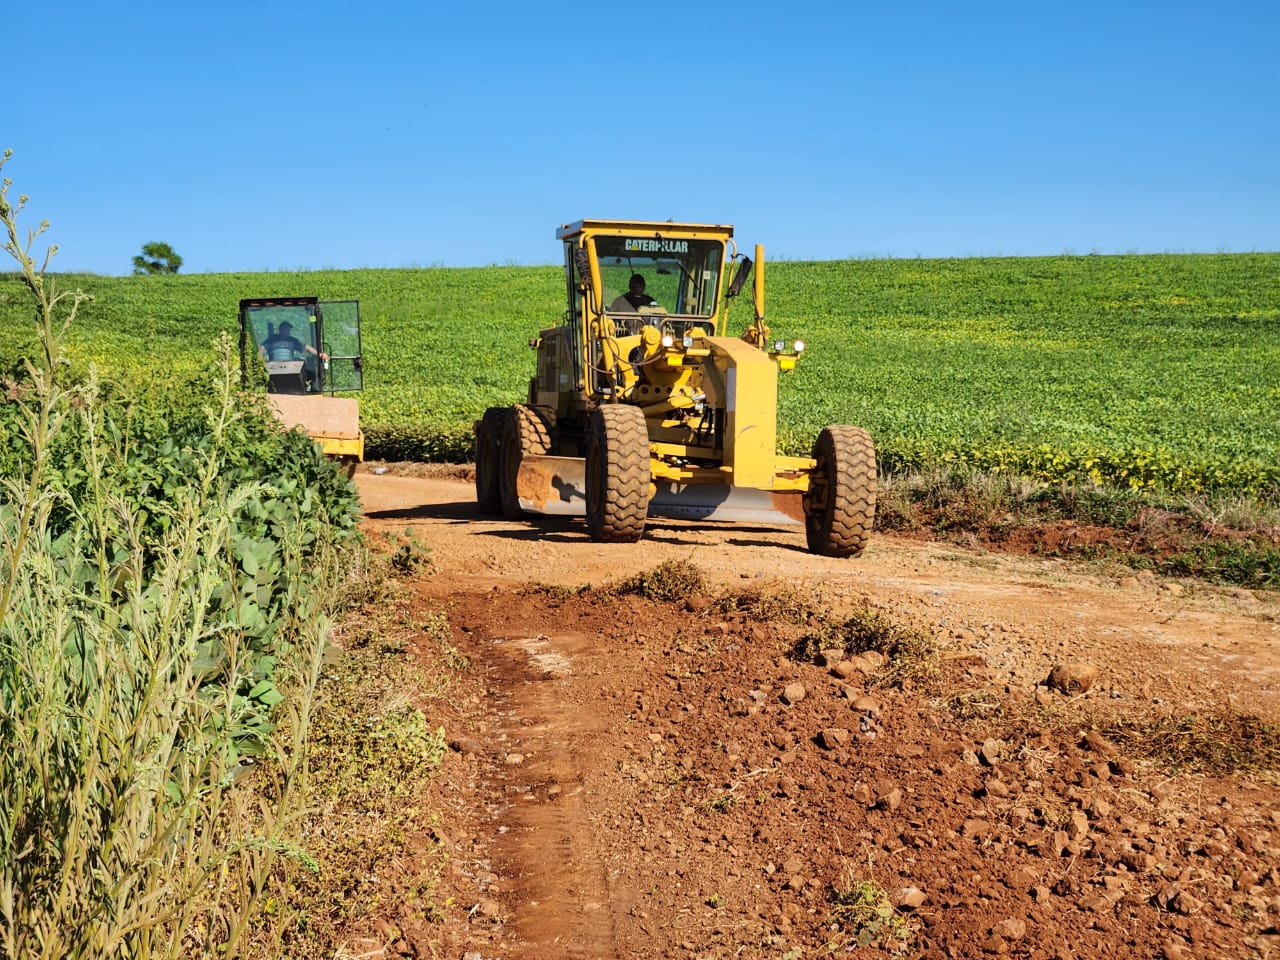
{"x": 1218, "y": 741}
{"x": 555, "y": 593}
{"x": 668, "y": 582}
{"x": 911, "y": 654}
{"x": 786, "y": 605}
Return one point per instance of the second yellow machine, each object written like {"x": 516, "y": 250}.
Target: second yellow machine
{"x": 304, "y": 350}
{"x": 642, "y": 404}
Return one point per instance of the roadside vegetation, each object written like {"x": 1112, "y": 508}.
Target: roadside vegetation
{"x": 372, "y": 759}
{"x": 1220, "y": 536}
{"x": 1132, "y": 372}
{"x": 170, "y": 563}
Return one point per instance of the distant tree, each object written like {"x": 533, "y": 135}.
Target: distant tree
{"x": 157, "y": 258}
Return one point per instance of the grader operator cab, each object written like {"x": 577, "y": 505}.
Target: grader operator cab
{"x": 304, "y": 350}
{"x": 643, "y": 405}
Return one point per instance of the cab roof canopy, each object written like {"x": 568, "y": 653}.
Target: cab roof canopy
{"x": 656, "y": 228}
{"x": 252, "y": 302}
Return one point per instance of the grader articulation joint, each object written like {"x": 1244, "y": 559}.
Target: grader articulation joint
{"x": 642, "y": 405}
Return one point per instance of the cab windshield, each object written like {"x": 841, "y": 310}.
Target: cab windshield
{"x": 283, "y": 331}
{"x": 648, "y": 274}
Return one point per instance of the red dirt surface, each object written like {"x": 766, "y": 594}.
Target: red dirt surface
{"x": 633, "y": 778}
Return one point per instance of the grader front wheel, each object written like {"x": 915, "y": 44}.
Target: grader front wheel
{"x": 840, "y": 507}
{"x": 526, "y": 432}
{"x": 617, "y": 474}
{"x": 489, "y": 460}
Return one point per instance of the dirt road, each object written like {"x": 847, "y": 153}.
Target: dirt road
{"x": 634, "y": 778}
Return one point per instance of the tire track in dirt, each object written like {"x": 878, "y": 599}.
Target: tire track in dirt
{"x": 547, "y": 849}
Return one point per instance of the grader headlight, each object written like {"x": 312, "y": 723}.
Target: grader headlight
{"x": 786, "y": 354}
{"x": 668, "y": 341}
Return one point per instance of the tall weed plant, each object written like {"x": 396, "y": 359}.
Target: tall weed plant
{"x": 162, "y": 625}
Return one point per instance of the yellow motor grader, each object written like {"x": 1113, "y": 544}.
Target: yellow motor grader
{"x": 643, "y": 405}
{"x": 308, "y": 349}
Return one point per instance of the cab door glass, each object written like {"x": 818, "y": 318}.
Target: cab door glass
{"x": 340, "y": 332}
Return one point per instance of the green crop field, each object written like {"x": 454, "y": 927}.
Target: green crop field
{"x": 1135, "y": 370}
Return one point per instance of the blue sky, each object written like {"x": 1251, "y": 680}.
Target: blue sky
{"x": 281, "y": 135}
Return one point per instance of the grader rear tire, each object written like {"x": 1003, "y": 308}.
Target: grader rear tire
{"x": 617, "y": 474}
{"x": 840, "y": 507}
{"x": 489, "y": 460}
{"x": 526, "y": 432}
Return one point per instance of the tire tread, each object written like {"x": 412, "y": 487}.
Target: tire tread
{"x": 616, "y": 512}
{"x": 842, "y": 526}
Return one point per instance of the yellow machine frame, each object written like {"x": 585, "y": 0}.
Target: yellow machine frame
{"x": 747, "y": 374}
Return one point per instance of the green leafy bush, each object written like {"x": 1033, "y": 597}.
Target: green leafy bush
{"x": 166, "y": 559}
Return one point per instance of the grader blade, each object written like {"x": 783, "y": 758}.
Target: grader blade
{"x": 721, "y": 502}
{"x": 557, "y": 486}
{"x": 553, "y": 485}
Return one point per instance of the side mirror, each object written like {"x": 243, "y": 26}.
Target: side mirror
{"x": 740, "y": 278}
